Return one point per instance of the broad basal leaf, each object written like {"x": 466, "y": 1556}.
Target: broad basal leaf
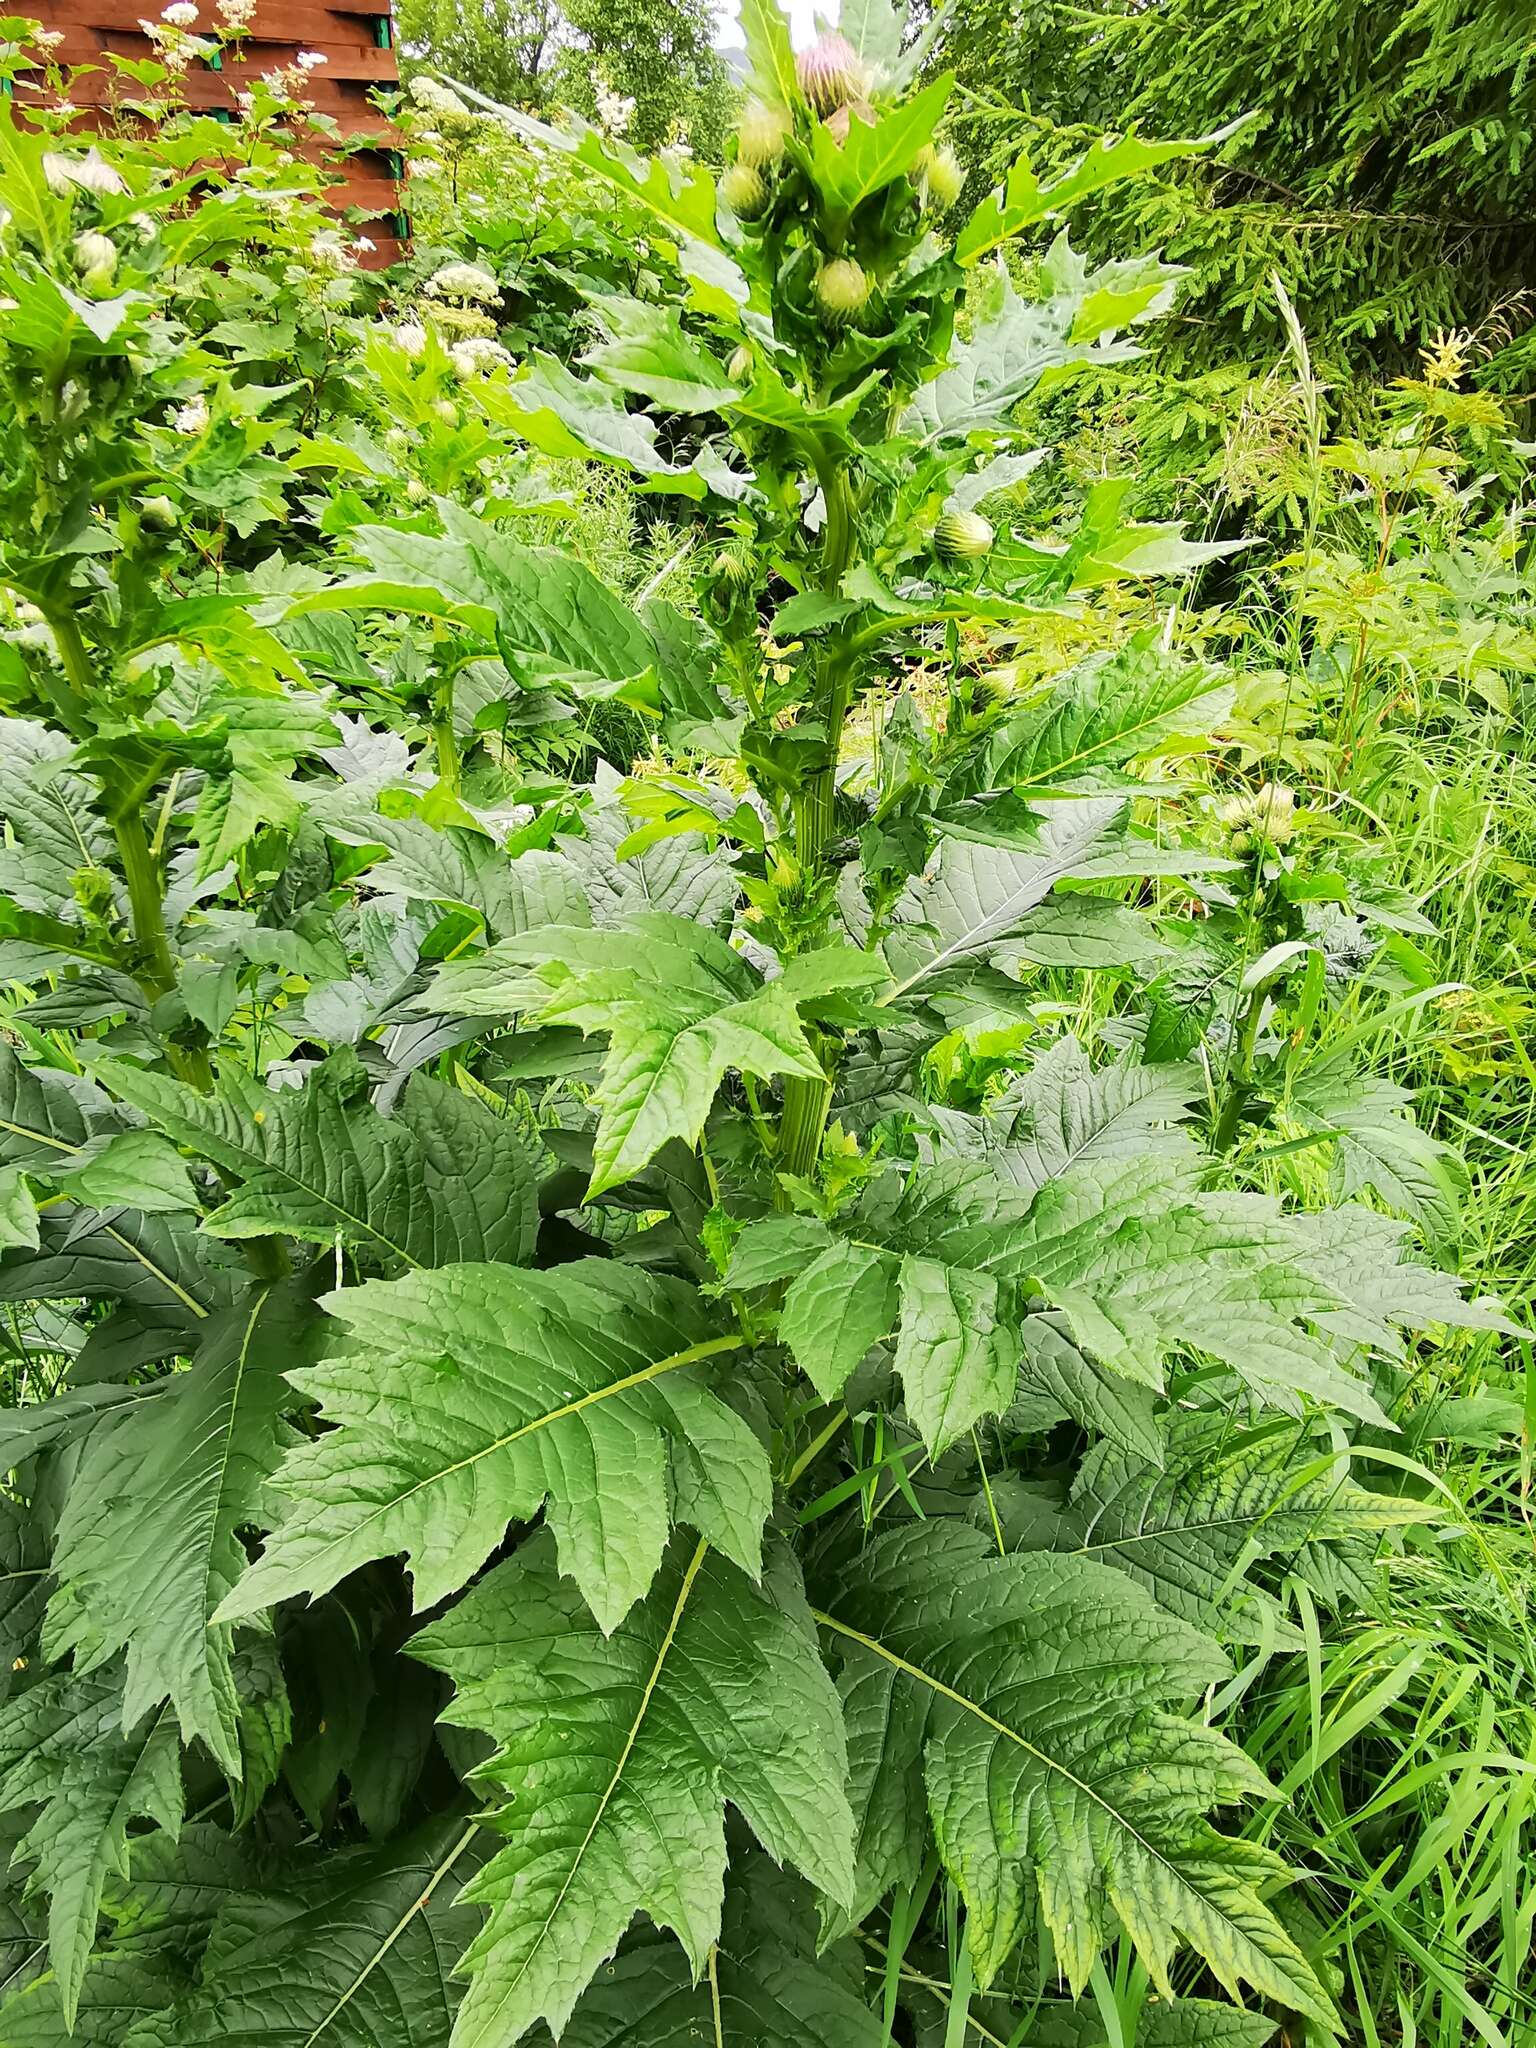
{"x": 973, "y": 896}
{"x": 1102, "y": 715}
{"x": 147, "y": 1545}
{"x": 551, "y": 617}
{"x": 764, "y": 1987}
{"x": 614, "y": 1756}
{"x": 164, "y": 1279}
{"x": 445, "y": 1178}
{"x": 457, "y": 866}
{"x": 1019, "y": 346}
{"x": 1064, "y": 1111}
{"x": 119, "y": 1994}
{"x": 1228, "y": 1500}
{"x": 472, "y": 1396}
{"x": 1022, "y": 1700}
{"x": 63, "y": 1748}
{"x": 350, "y": 1948}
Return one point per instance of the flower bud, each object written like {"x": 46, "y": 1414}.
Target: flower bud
{"x": 739, "y": 368}
{"x": 760, "y": 138}
{"x": 447, "y": 412}
{"x": 943, "y": 178}
{"x": 417, "y": 492}
{"x": 95, "y": 258}
{"x": 734, "y": 565}
{"x": 831, "y": 73}
{"x": 160, "y": 513}
{"x": 962, "y": 536}
{"x": 744, "y": 190}
{"x": 842, "y": 287}
{"x": 839, "y": 122}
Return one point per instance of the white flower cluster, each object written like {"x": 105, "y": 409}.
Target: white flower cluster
{"x": 437, "y": 99}
{"x": 90, "y": 173}
{"x": 235, "y": 14}
{"x": 477, "y": 356}
{"x": 192, "y": 417}
{"x": 327, "y": 251}
{"x": 463, "y": 281}
{"x": 173, "y": 45}
{"x": 614, "y": 112}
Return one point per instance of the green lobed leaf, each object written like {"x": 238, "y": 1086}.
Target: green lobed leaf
{"x": 1020, "y": 1699}
{"x": 472, "y": 1396}
{"x": 63, "y": 1749}
{"x": 148, "y": 1542}
{"x": 613, "y": 1756}
{"x": 443, "y": 1179}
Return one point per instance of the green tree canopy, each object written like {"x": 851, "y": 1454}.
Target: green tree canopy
{"x": 1389, "y": 174}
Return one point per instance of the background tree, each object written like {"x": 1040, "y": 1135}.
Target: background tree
{"x": 1390, "y": 174}
{"x": 502, "y": 46}
{"x": 647, "y": 68}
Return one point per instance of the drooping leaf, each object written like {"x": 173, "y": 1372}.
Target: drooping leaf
{"x": 1380, "y": 1148}
{"x": 352, "y": 1948}
{"x": 613, "y": 1757}
{"x": 147, "y": 1545}
{"x": 1021, "y": 1700}
{"x": 1058, "y": 1380}
{"x": 472, "y": 1396}
{"x": 63, "y": 1748}
{"x": 444, "y": 1179}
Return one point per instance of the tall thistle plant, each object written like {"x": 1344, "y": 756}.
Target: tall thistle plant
{"x": 611, "y": 1431}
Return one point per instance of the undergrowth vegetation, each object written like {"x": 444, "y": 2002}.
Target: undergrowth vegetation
{"x": 764, "y": 1177}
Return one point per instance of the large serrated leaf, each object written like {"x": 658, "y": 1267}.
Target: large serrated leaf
{"x": 472, "y": 1396}
{"x": 64, "y": 1750}
{"x": 147, "y": 1544}
{"x": 1024, "y": 1697}
{"x": 444, "y": 1179}
{"x": 613, "y": 1757}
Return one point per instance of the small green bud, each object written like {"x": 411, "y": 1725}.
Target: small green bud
{"x": 95, "y": 254}
{"x": 962, "y": 536}
{"x": 943, "y": 178}
{"x": 160, "y": 513}
{"x": 744, "y": 190}
{"x": 842, "y": 287}
{"x": 761, "y": 136}
{"x": 739, "y": 368}
{"x": 831, "y": 73}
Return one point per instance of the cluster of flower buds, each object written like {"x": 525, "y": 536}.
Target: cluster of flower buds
{"x": 1264, "y": 817}
{"x": 837, "y": 88}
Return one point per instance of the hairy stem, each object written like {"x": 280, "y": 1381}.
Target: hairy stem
{"x": 806, "y": 1102}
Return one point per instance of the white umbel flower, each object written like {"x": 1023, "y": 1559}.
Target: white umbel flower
{"x": 463, "y": 281}
{"x": 192, "y": 417}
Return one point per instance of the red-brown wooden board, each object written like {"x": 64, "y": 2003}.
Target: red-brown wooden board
{"x": 357, "y": 43}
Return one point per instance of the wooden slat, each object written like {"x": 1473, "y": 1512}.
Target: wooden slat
{"x": 345, "y": 32}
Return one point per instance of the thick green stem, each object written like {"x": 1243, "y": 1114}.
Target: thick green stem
{"x": 155, "y": 968}
{"x": 446, "y": 739}
{"x": 806, "y": 1102}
